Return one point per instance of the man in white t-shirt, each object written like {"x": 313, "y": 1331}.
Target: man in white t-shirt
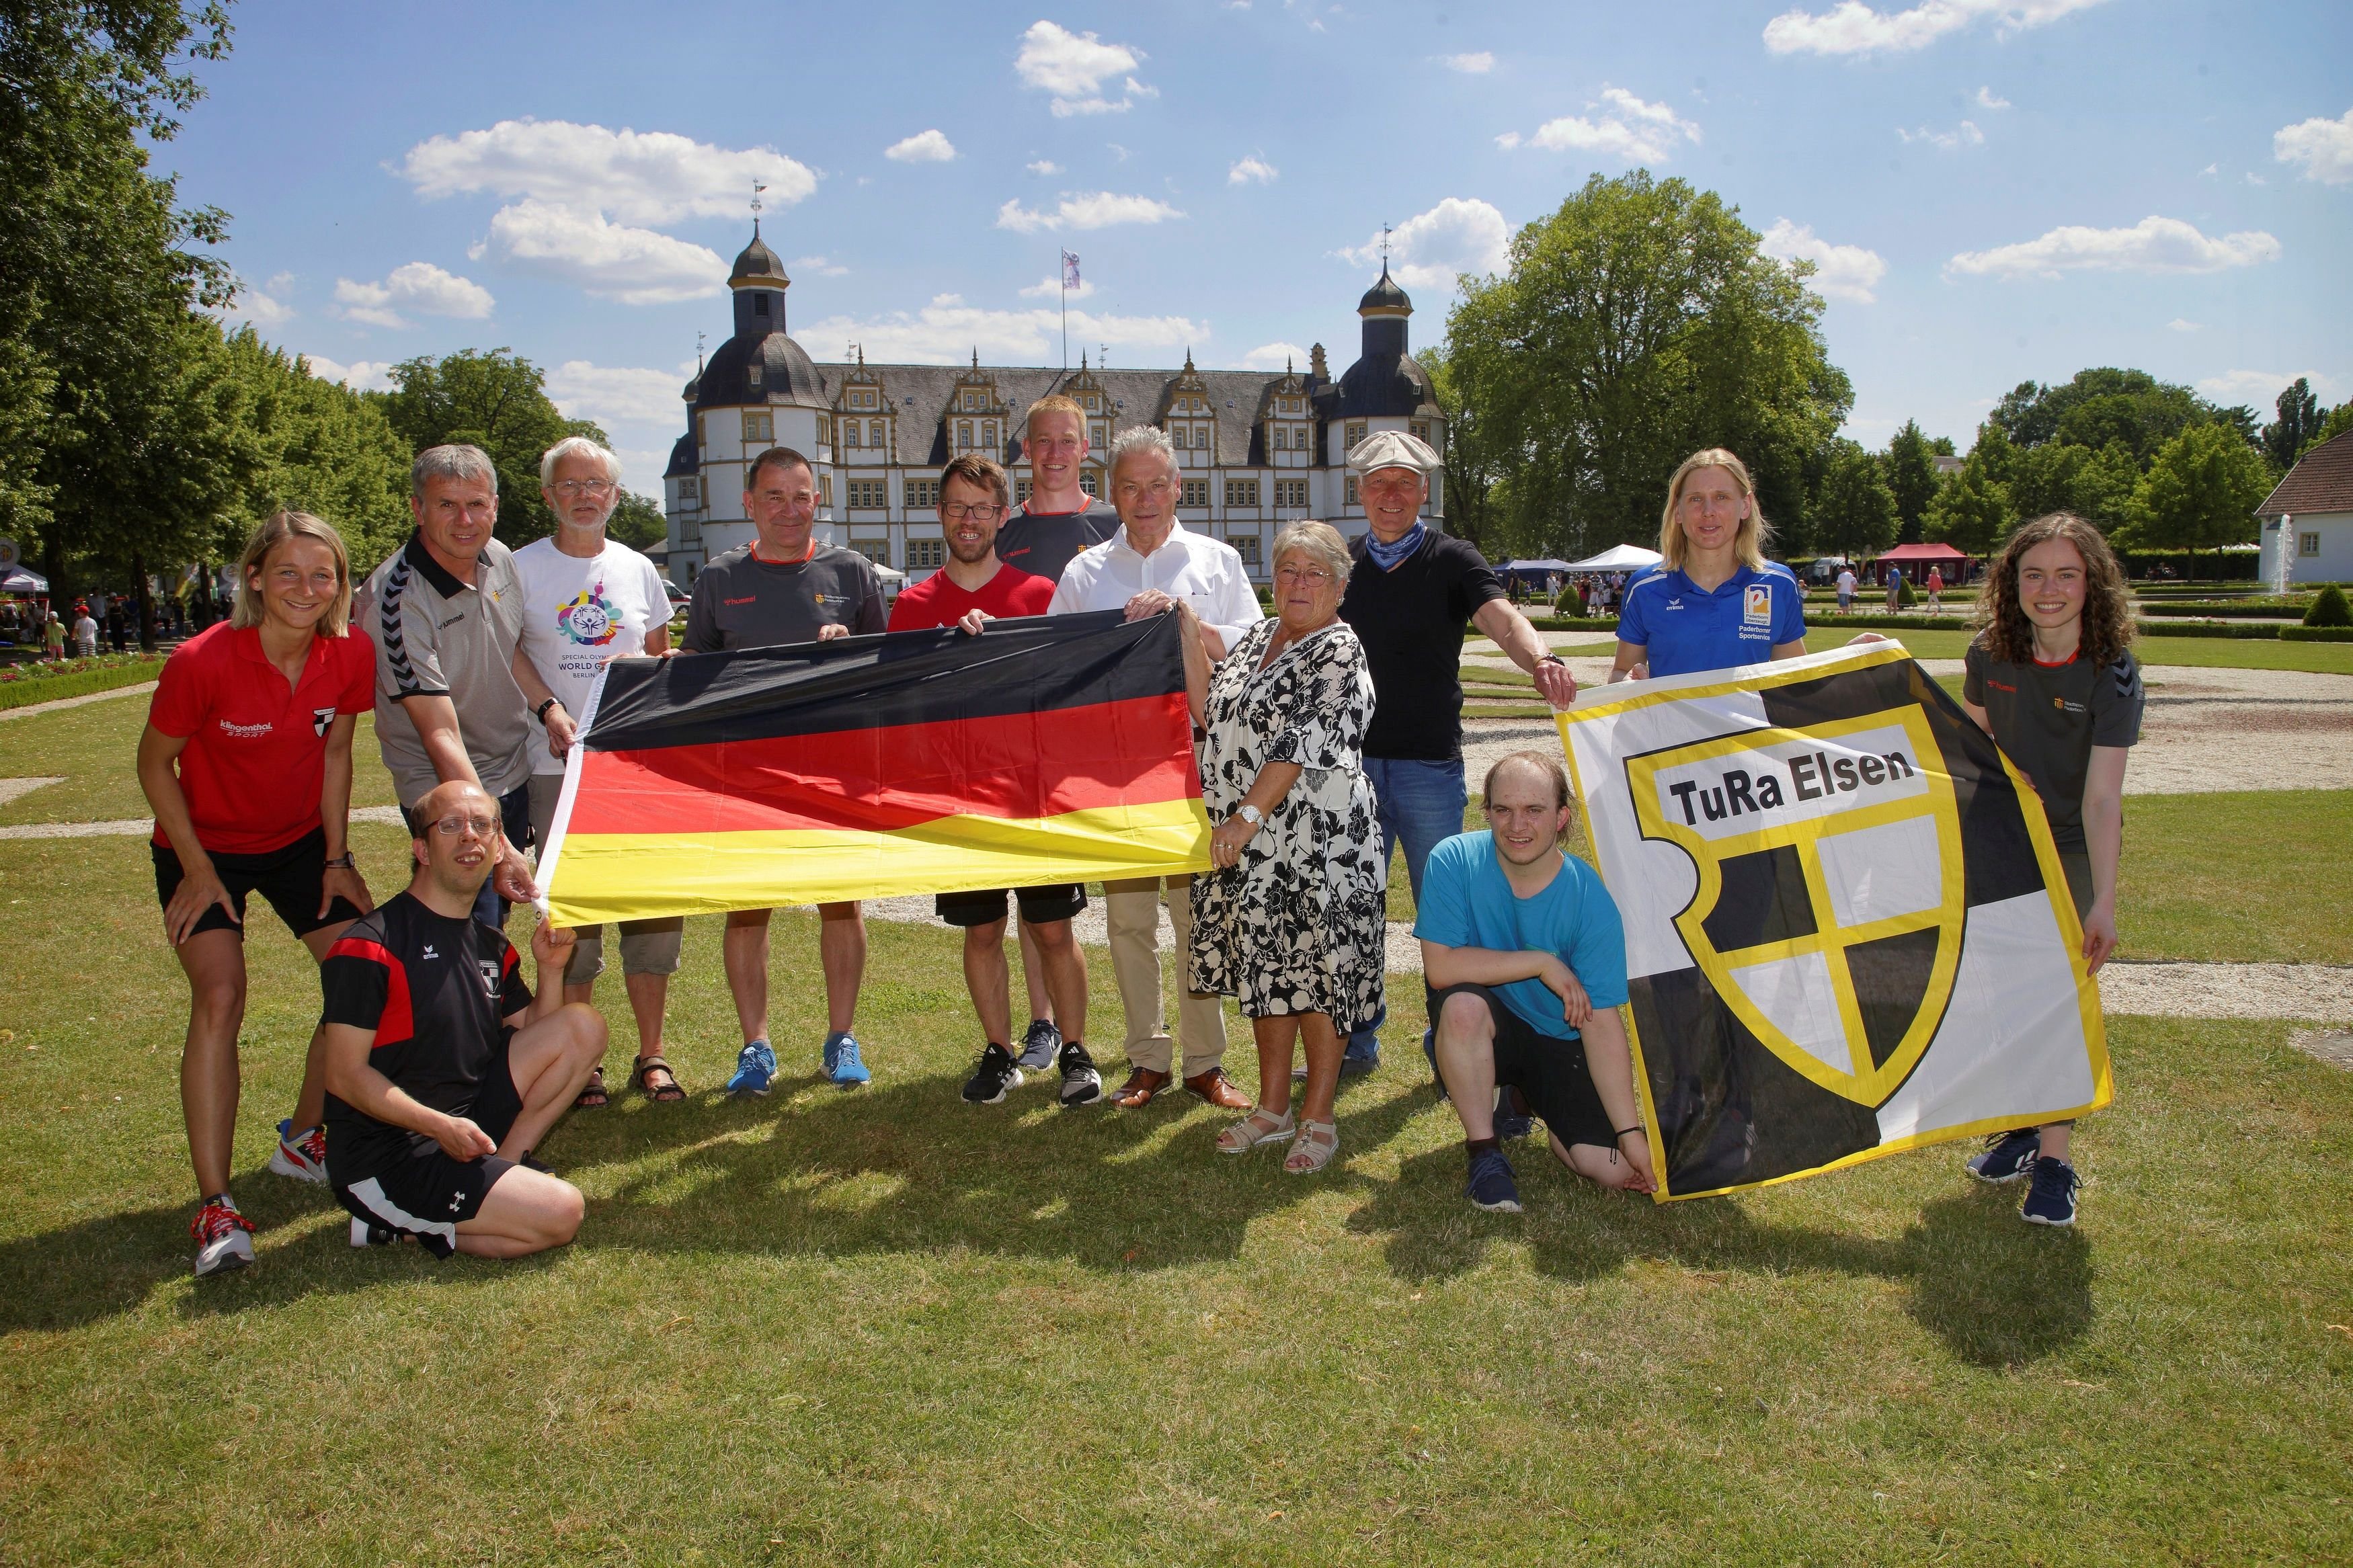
{"x": 85, "y": 631}
{"x": 588, "y": 599}
{"x": 1846, "y": 589}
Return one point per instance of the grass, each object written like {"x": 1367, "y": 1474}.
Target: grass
{"x": 2248, "y": 878}
{"x": 886, "y": 1327}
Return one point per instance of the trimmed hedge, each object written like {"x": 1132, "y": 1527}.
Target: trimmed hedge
{"x": 2329, "y": 609}
{"x": 22, "y": 685}
{"x": 2315, "y": 634}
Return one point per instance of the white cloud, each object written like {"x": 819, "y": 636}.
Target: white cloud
{"x": 360, "y": 375}
{"x": 1626, "y": 127}
{"x": 2261, "y": 387}
{"x": 1100, "y": 210}
{"x": 1964, "y": 134}
{"x": 1274, "y": 356}
{"x": 420, "y": 286}
{"x": 638, "y": 178}
{"x": 615, "y": 261}
{"x": 261, "y": 304}
{"x": 2152, "y": 245}
{"x": 1851, "y": 27}
{"x": 1426, "y": 251}
{"x": 947, "y": 330}
{"x": 618, "y": 394}
{"x": 1251, "y": 168}
{"x": 1073, "y": 68}
{"x": 1052, "y": 288}
{"x": 1841, "y": 271}
{"x": 2325, "y": 148}
{"x": 2254, "y": 179}
{"x": 817, "y": 266}
{"x": 1478, "y": 64}
{"x": 1986, "y": 99}
{"x": 2184, "y": 325}
{"x": 923, "y": 147}
{"x": 1045, "y": 166}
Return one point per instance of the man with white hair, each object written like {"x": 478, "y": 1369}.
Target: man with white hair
{"x": 589, "y": 599}
{"x": 1144, "y": 568}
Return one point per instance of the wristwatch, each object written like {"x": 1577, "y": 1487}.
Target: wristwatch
{"x": 1554, "y": 658}
{"x": 1249, "y": 813}
{"x": 540, "y": 712}
{"x": 341, "y": 863}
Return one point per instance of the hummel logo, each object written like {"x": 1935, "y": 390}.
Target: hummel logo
{"x": 457, "y": 1203}
{"x": 429, "y": 952}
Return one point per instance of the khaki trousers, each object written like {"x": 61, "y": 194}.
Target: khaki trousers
{"x": 1132, "y": 911}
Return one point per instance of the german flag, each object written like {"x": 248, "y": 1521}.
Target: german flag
{"x": 1041, "y": 750}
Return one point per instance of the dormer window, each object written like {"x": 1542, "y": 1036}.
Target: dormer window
{"x": 753, "y": 372}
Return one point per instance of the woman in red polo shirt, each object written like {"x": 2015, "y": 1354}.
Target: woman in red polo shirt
{"x": 247, "y": 759}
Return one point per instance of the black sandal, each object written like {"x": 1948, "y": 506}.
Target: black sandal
{"x": 660, "y": 1094}
{"x": 593, "y": 1096}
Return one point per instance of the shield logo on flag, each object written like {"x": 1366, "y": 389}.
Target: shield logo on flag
{"x": 1831, "y": 896}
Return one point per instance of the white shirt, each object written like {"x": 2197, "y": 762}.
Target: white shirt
{"x": 1846, "y": 582}
{"x": 578, "y": 612}
{"x": 1204, "y": 572}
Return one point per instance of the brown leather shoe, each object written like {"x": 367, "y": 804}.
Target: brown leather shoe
{"x": 1137, "y": 1092}
{"x": 1218, "y": 1089}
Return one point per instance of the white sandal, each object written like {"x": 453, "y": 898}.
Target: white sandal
{"x": 1318, "y": 1141}
{"x": 1251, "y": 1131}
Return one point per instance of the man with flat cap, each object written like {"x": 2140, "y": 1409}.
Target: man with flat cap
{"x": 1412, "y": 595}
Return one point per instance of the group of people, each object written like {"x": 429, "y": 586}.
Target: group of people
{"x": 1931, "y": 586}
{"x": 1328, "y": 737}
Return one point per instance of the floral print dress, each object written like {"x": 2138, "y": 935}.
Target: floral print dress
{"x": 1298, "y": 925}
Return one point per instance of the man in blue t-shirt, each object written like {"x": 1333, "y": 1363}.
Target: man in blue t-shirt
{"x": 1525, "y": 958}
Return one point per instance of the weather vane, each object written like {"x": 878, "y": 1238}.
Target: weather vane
{"x": 1385, "y": 248}
{"x": 758, "y": 185}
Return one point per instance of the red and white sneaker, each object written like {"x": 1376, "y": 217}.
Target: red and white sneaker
{"x": 220, "y": 1235}
{"x": 303, "y": 1158}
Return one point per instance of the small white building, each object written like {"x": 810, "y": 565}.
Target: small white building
{"x": 2307, "y": 519}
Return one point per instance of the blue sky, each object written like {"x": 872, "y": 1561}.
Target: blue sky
{"x": 1996, "y": 189}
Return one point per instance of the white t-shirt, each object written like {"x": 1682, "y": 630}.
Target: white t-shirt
{"x": 1846, "y": 582}
{"x": 577, "y": 613}
{"x": 85, "y": 634}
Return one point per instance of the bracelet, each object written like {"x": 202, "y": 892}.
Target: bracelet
{"x": 1623, "y": 1131}
{"x": 342, "y": 862}
{"x": 540, "y": 712}
{"x": 1554, "y": 658}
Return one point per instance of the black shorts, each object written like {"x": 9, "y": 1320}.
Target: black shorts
{"x": 1549, "y": 1073}
{"x": 289, "y": 877}
{"x": 429, "y": 1195}
{"x": 1055, "y": 901}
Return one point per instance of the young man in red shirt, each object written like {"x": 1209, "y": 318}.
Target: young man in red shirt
{"x": 974, "y": 588}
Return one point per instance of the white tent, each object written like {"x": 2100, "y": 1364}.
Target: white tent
{"x": 1618, "y": 558}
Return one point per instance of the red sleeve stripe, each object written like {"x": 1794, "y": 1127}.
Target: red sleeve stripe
{"x": 398, "y": 1023}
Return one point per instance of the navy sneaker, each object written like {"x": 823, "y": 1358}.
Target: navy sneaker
{"x": 996, "y": 1073}
{"x": 842, "y": 1063}
{"x": 1511, "y": 1121}
{"x": 755, "y": 1064}
{"x": 1039, "y": 1046}
{"x": 1437, "y": 1078}
{"x": 1082, "y": 1084}
{"x": 2051, "y": 1200}
{"x": 1491, "y": 1187}
{"x": 1361, "y": 1056}
{"x": 2006, "y": 1156}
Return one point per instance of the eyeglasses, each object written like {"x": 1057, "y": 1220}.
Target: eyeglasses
{"x": 956, "y": 511}
{"x": 479, "y": 826}
{"x": 1312, "y": 574}
{"x": 571, "y": 487}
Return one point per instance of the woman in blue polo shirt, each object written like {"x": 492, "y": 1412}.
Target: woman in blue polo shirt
{"x": 1713, "y": 601}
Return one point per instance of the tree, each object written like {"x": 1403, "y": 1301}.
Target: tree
{"x": 1635, "y": 325}
{"x": 497, "y": 401}
{"x": 2337, "y": 421}
{"x": 2285, "y": 438}
{"x": 1972, "y": 513}
{"x": 1910, "y": 469}
{"x": 1854, "y": 512}
{"x": 638, "y": 521}
{"x": 325, "y": 450}
{"x": 2100, "y": 405}
{"x": 2200, "y": 492}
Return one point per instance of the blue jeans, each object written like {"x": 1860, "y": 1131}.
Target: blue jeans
{"x": 514, "y": 821}
{"x": 1418, "y": 804}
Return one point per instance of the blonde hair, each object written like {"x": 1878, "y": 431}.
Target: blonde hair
{"x": 1053, "y": 403}
{"x": 275, "y": 531}
{"x": 1320, "y": 541}
{"x": 1749, "y": 540}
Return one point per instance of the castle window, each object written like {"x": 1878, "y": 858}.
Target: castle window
{"x": 1020, "y": 491}
{"x": 759, "y": 427}
{"x": 1290, "y": 492}
{"x": 824, "y": 430}
{"x": 874, "y": 493}
{"x": 1354, "y": 434}
{"x": 874, "y": 436}
{"x": 689, "y": 489}
{"x": 988, "y": 435}
{"x": 753, "y": 373}
{"x": 1421, "y": 430}
{"x": 849, "y": 431}
{"x": 1241, "y": 492}
{"x": 878, "y": 551}
{"x": 1090, "y": 482}
{"x": 759, "y": 304}
{"x": 825, "y": 490}
{"x": 964, "y": 434}
{"x": 1352, "y": 489}
{"x": 1246, "y": 546}
{"x": 922, "y": 495}
{"x": 923, "y": 553}
{"x": 1196, "y": 493}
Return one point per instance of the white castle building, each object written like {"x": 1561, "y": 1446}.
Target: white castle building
{"x": 1258, "y": 448}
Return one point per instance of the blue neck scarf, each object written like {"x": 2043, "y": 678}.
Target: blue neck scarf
{"x": 1387, "y": 557}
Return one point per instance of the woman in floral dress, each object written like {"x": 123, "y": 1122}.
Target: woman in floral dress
{"x": 1291, "y": 920}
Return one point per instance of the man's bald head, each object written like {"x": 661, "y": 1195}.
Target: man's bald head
{"x": 456, "y": 835}
{"x": 455, "y": 796}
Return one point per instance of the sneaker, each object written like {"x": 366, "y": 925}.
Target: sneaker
{"x": 1082, "y": 1085}
{"x": 2051, "y": 1200}
{"x": 220, "y": 1234}
{"x": 366, "y": 1235}
{"x": 842, "y": 1064}
{"x": 303, "y": 1158}
{"x": 1361, "y": 1058}
{"x": 755, "y": 1064}
{"x": 2006, "y": 1156}
{"x": 1511, "y": 1121}
{"x": 1039, "y": 1046}
{"x": 996, "y": 1073}
{"x": 1491, "y": 1187}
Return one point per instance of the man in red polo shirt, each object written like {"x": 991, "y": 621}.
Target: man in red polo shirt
{"x": 973, "y": 589}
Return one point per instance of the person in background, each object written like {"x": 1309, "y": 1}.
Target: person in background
{"x": 246, "y": 762}
{"x": 1894, "y": 589}
{"x": 1936, "y": 587}
{"x": 785, "y": 587}
{"x": 84, "y": 632}
{"x": 1713, "y": 602}
{"x": 53, "y": 636}
{"x": 589, "y": 599}
{"x": 1845, "y": 589}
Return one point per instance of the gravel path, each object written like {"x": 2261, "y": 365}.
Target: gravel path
{"x": 32, "y": 708}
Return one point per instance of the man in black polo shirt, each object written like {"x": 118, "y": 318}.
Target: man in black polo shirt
{"x": 1412, "y": 592}
{"x": 785, "y": 587}
{"x": 443, "y": 1072}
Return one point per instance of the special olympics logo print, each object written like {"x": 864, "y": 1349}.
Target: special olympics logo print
{"x": 587, "y": 619}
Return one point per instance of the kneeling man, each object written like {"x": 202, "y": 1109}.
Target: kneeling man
{"x": 442, "y": 1072}
{"x": 1525, "y": 958}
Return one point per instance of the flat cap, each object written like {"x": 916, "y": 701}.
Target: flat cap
{"x": 1391, "y": 449}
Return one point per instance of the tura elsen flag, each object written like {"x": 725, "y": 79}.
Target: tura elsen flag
{"x": 1040, "y": 751}
{"x": 1847, "y": 929}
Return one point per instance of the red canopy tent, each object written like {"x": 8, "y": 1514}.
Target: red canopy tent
{"x": 1916, "y": 559}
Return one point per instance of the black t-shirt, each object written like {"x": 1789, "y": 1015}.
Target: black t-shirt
{"x": 742, "y": 601}
{"x": 438, "y": 992}
{"x": 1411, "y": 621}
{"x": 2047, "y": 718}
{"x": 1043, "y": 542}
